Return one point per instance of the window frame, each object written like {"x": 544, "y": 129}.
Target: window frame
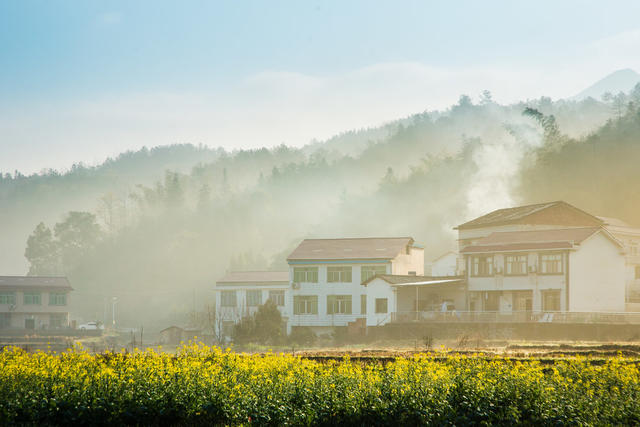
{"x": 253, "y": 297}
{"x": 309, "y": 302}
{"x": 488, "y": 261}
{"x": 386, "y": 305}
{"x": 56, "y": 297}
{"x": 366, "y": 270}
{"x": 228, "y": 293}
{"x": 8, "y": 298}
{"x": 517, "y": 261}
{"x": 339, "y": 304}
{"x": 637, "y": 272}
{"x": 339, "y": 274}
{"x": 305, "y": 274}
{"x": 279, "y": 297}
{"x": 542, "y": 262}
{"x": 32, "y": 298}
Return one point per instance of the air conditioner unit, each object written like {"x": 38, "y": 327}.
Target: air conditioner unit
{"x": 295, "y": 285}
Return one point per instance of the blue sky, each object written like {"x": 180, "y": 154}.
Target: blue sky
{"x": 83, "y": 80}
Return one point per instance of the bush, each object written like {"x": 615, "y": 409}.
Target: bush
{"x": 301, "y": 335}
{"x": 265, "y": 326}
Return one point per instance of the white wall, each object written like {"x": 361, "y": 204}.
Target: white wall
{"x": 322, "y": 289}
{"x": 241, "y": 309}
{"x": 378, "y": 288}
{"x": 597, "y": 276}
{"x": 445, "y": 265}
{"x": 404, "y": 263}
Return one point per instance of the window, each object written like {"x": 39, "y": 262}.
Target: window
{"x": 637, "y": 272}
{"x": 305, "y": 304}
{"x": 381, "y": 305}
{"x": 551, "y": 264}
{"x": 338, "y": 304}
{"x": 482, "y": 266}
{"x": 57, "y": 298}
{"x": 5, "y": 320}
{"x": 254, "y": 298}
{"x": 58, "y": 320}
{"x": 515, "y": 265}
{"x": 368, "y": 271}
{"x": 32, "y": 298}
{"x": 228, "y": 299}
{"x": 305, "y": 274}
{"x": 277, "y": 297}
{"x": 363, "y": 304}
{"x": 551, "y": 300}
{"x": 339, "y": 274}
{"x": 7, "y": 298}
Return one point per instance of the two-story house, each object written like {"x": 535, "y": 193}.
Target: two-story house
{"x": 240, "y": 293}
{"x": 542, "y": 258}
{"x": 326, "y": 277}
{"x": 630, "y": 237}
{"x": 33, "y": 302}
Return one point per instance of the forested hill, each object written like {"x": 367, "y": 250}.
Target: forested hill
{"x": 153, "y": 236}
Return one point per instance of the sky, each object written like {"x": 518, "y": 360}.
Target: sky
{"x": 84, "y": 80}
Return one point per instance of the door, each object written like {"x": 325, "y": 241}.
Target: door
{"x": 30, "y": 323}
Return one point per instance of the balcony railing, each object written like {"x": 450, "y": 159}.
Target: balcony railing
{"x": 516, "y": 317}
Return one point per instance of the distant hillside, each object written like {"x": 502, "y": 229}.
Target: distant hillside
{"x": 618, "y": 81}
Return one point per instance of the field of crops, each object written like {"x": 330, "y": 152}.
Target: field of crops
{"x": 205, "y": 385}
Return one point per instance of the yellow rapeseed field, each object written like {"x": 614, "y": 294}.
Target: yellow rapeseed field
{"x": 206, "y": 385}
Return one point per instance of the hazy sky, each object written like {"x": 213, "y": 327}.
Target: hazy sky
{"x": 83, "y": 80}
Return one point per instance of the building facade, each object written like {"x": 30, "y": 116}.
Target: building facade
{"x": 32, "y": 302}
{"x": 549, "y": 257}
{"x": 327, "y": 275}
{"x": 240, "y": 293}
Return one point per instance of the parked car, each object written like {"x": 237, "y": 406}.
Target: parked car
{"x": 90, "y": 326}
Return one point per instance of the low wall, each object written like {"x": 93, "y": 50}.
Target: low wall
{"x": 511, "y": 330}
{"x": 50, "y": 332}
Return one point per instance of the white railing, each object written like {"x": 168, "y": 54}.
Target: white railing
{"x": 516, "y": 317}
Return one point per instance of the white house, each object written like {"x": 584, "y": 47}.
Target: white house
{"x": 239, "y": 293}
{"x": 542, "y": 258}
{"x": 445, "y": 265}
{"x": 630, "y": 238}
{"x": 404, "y": 298}
{"x": 34, "y": 302}
{"x": 326, "y": 277}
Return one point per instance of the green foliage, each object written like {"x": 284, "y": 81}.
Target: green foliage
{"x": 42, "y": 252}
{"x": 265, "y": 326}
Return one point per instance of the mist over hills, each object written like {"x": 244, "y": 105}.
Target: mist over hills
{"x": 160, "y": 225}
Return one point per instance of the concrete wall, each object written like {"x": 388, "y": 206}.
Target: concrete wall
{"x": 322, "y": 289}
{"x": 404, "y": 263}
{"x": 242, "y": 309}
{"x": 597, "y": 276}
{"x": 446, "y": 265}
{"x": 40, "y": 313}
{"x": 378, "y": 288}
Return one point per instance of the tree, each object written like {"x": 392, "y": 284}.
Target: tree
{"x": 486, "y": 98}
{"x": 42, "y": 252}
{"x": 268, "y": 324}
{"x": 265, "y": 326}
{"x": 552, "y": 133}
{"x": 78, "y": 233}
